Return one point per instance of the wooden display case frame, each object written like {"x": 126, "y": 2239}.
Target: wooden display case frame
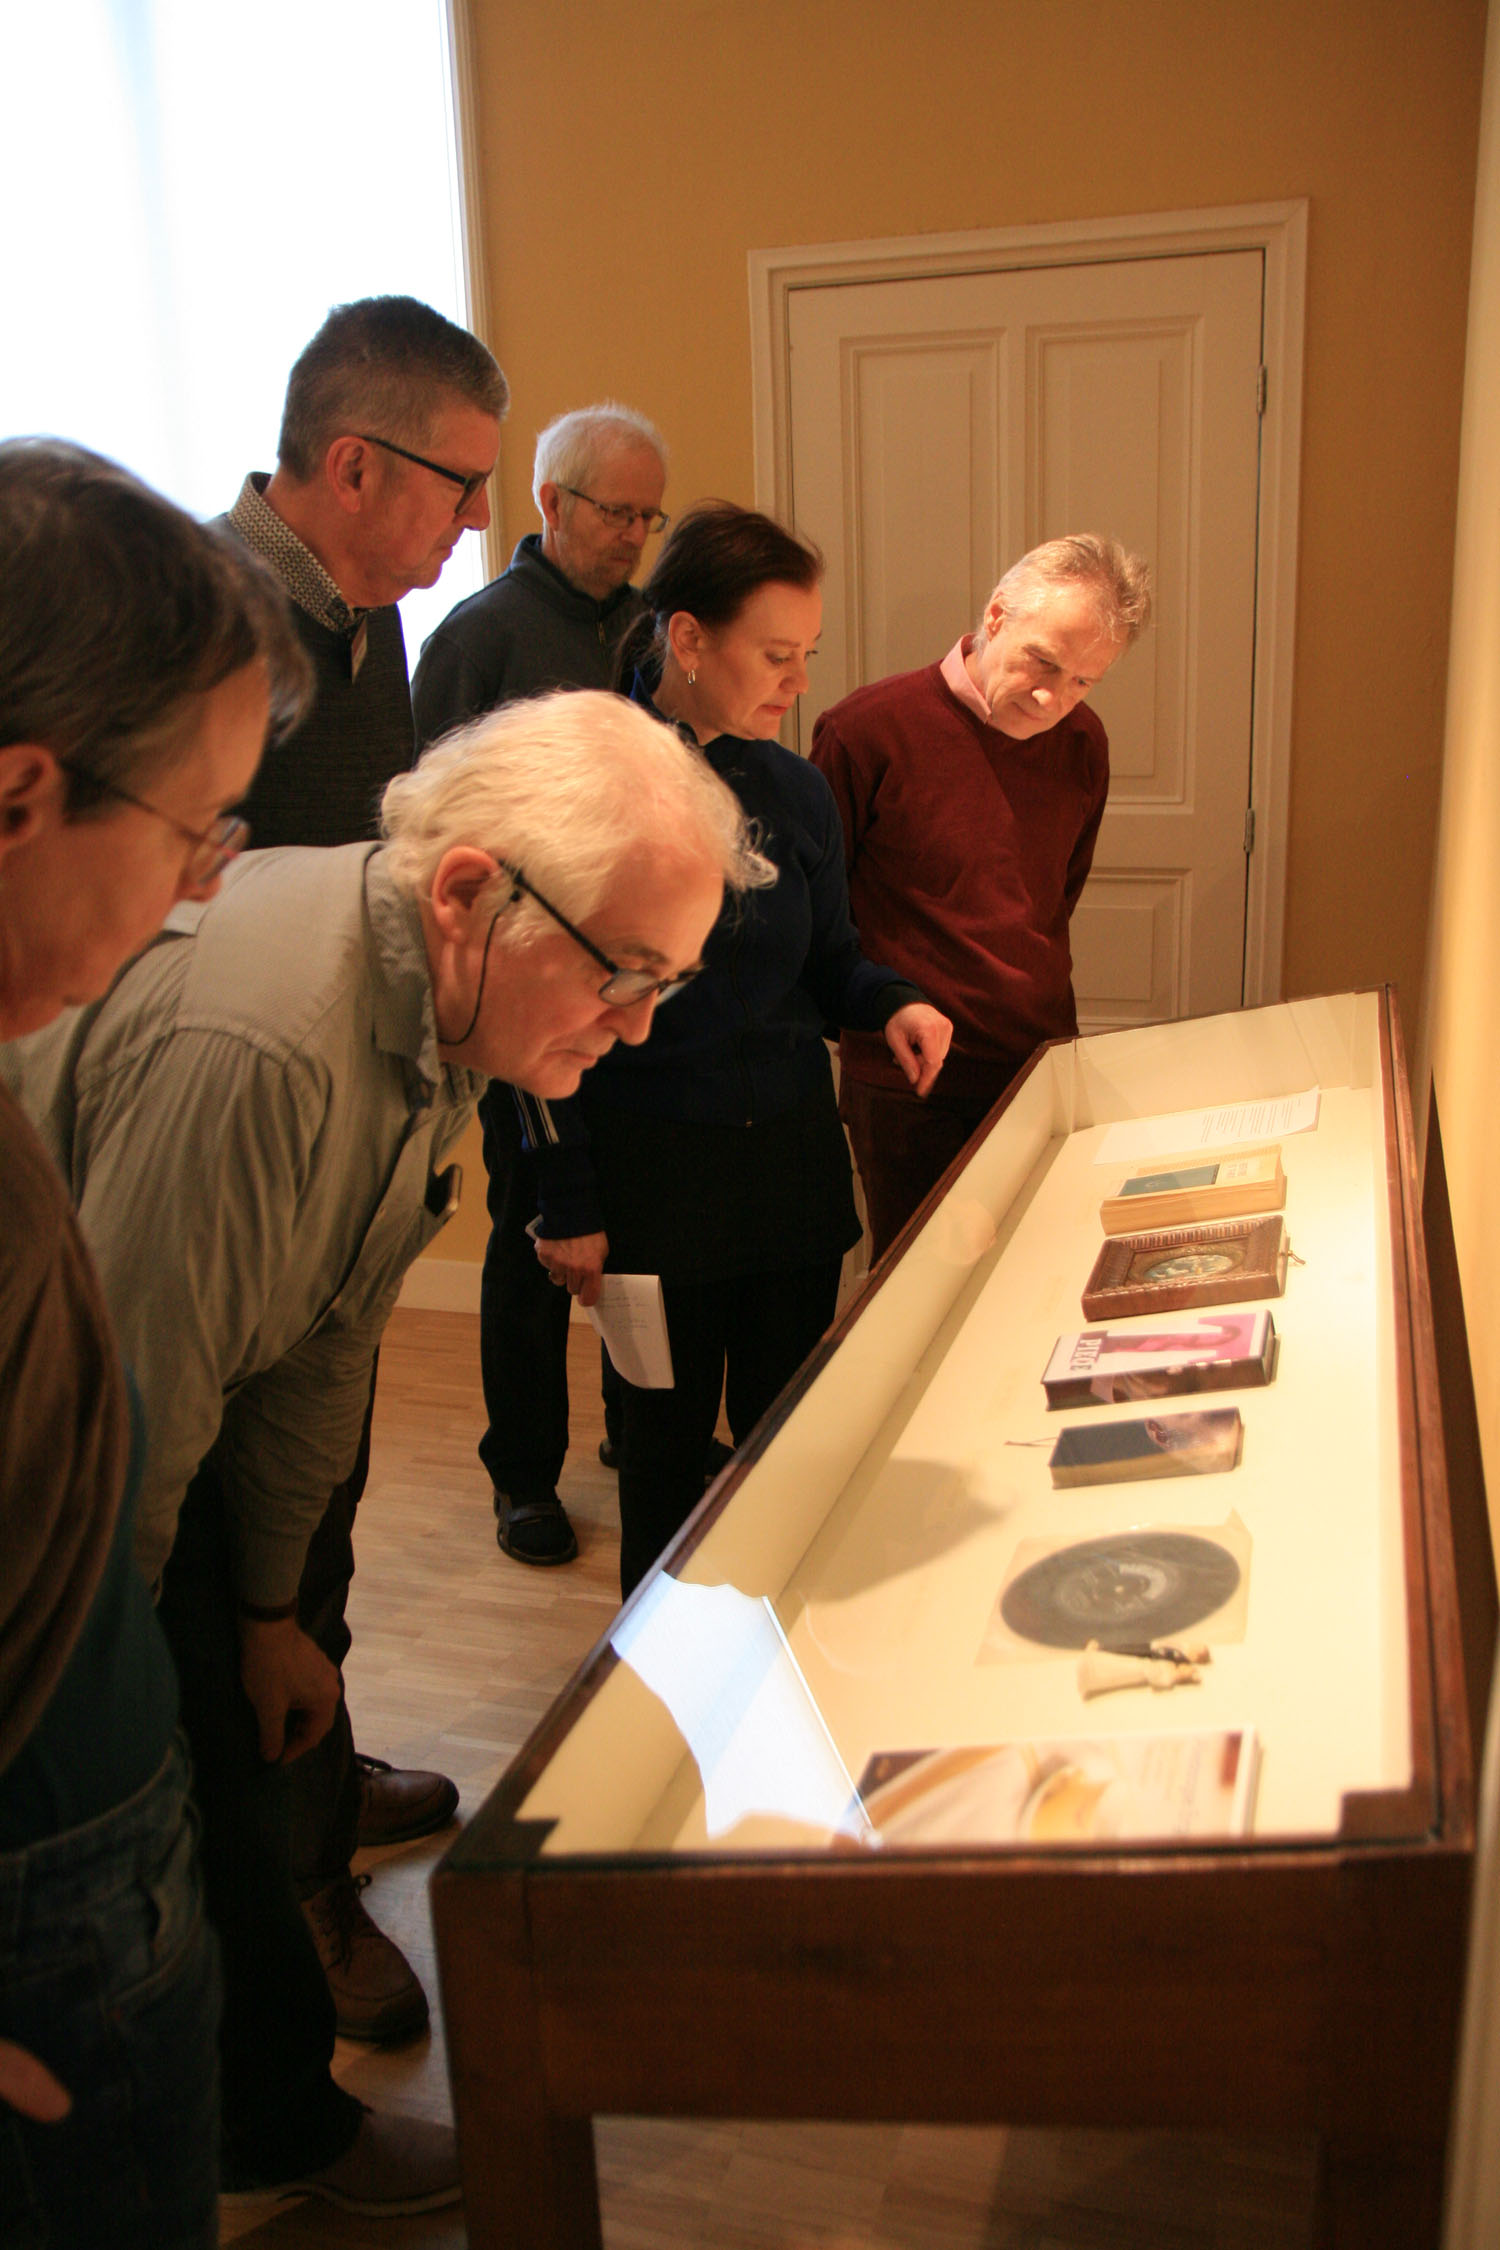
{"x": 1294, "y": 1983}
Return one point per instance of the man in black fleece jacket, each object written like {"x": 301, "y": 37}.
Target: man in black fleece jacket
{"x": 554, "y": 619}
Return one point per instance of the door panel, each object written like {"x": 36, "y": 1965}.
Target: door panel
{"x": 940, "y": 427}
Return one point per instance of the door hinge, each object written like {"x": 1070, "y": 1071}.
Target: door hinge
{"x": 1260, "y": 391}
{"x": 1249, "y": 828}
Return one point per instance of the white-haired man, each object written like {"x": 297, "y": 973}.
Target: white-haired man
{"x": 971, "y": 794}
{"x": 555, "y": 618}
{"x": 388, "y": 436}
{"x": 254, "y": 1124}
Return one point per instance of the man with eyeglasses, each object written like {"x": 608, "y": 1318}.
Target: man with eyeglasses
{"x": 258, "y": 1122}
{"x": 555, "y": 618}
{"x": 971, "y": 793}
{"x": 388, "y": 437}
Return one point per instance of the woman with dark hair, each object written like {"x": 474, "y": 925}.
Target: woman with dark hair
{"x": 141, "y": 658}
{"x": 713, "y": 1155}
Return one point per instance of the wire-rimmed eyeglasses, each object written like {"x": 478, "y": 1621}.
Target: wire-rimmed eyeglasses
{"x": 622, "y": 988}
{"x": 467, "y": 481}
{"x": 620, "y": 514}
{"x": 213, "y": 848}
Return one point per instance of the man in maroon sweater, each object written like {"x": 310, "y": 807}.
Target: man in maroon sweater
{"x": 971, "y": 794}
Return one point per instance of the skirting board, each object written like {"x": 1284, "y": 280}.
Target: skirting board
{"x": 441, "y": 1285}
{"x": 446, "y": 1285}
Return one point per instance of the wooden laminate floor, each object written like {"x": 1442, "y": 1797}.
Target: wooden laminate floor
{"x": 457, "y": 1652}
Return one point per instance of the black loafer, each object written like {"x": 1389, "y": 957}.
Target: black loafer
{"x": 534, "y": 1531}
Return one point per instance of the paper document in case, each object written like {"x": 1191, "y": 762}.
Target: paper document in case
{"x": 1133, "y": 1140}
{"x": 633, "y": 1325}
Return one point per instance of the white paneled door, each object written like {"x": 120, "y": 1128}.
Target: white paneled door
{"x": 941, "y": 426}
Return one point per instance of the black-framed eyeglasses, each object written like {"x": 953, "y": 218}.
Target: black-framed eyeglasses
{"x": 213, "y": 848}
{"x": 616, "y": 512}
{"x": 467, "y": 483}
{"x": 622, "y": 988}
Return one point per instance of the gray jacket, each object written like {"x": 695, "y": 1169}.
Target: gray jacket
{"x": 252, "y": 1124}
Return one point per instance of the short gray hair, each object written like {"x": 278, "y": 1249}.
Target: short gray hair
{"x": 1119, "y": 581}
{"x": 566, "y": 787}
{"x": 118, "y": 615}
{"x": 571, "y": 447}
{"x": 382, "y": 367}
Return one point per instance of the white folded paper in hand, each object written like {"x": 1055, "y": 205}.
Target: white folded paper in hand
{"x": 630, "y": 1319}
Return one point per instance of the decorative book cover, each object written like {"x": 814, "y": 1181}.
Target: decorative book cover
{"x": 1193, "y": 1782}
{"x": 1161, "y": 1445}
{"x": 1223, "y": 1264}
{"x": 1109, "y": 1366}
{"x": 1226, "y": 1187}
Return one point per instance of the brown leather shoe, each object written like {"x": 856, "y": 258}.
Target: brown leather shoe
{"x": 396, "y": 1803}
{"x": 374, "y": 1991}
{"x": 395, "y": 2167}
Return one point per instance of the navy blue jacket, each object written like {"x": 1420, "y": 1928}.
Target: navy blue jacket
{"x": 744, "y": 1041}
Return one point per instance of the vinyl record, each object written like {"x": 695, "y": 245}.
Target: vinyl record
{"x": 1133, "y": 1586}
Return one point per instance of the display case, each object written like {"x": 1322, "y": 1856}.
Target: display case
{"x": 700, "y": 1890}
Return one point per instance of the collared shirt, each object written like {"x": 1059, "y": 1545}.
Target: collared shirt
{"x": 251, "y": 1124}
{"x": 958, "y": 677}
{"x": 295, "y": 565}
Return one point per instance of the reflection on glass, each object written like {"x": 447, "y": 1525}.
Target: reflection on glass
{"x": 1192, "y": 1782}
{"x": 720, "y": 1663}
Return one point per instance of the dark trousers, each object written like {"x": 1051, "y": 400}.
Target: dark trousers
{"x": 744, "y": 1337}
{"x": 283, "y": 2114}
{"x": 903, "y": 1146}
{"x": 523, "y": 1321}
{"x": 323, "y": 1784}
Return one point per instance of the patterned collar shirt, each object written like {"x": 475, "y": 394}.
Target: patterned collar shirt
{"x": 298, "y": 568}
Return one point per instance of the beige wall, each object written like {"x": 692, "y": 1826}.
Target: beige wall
{"x": 1463, "y": 1001}
{"x": 632, "y": 152}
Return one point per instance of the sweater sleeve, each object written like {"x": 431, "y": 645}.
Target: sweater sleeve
{"x": 64, "y": 1433}
{"x": 557, "y": 1134}
{"x": 831, "y": 757}
{"x": 1081, "y": 859}
{"x": 853, "y": 992}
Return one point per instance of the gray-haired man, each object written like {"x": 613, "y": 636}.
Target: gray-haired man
{"x": 971, "y": 794}
{"x": 555, "y": 618}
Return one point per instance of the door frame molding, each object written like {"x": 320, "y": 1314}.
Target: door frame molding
{"x": 1279, "y": 230}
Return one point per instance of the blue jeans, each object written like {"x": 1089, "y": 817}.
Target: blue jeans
{"x": 109, "y": 1973}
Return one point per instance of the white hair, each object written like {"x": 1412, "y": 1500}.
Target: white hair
{"x": 565, "y": 787}
{"x": 571, "y": 447}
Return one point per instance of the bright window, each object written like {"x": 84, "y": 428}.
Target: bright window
{"x": 188, "y": 186}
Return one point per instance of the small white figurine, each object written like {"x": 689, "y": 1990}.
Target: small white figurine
{"x": 1101, "y": 1670}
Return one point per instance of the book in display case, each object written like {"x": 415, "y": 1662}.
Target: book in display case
{"x": 691, "y": 1894}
